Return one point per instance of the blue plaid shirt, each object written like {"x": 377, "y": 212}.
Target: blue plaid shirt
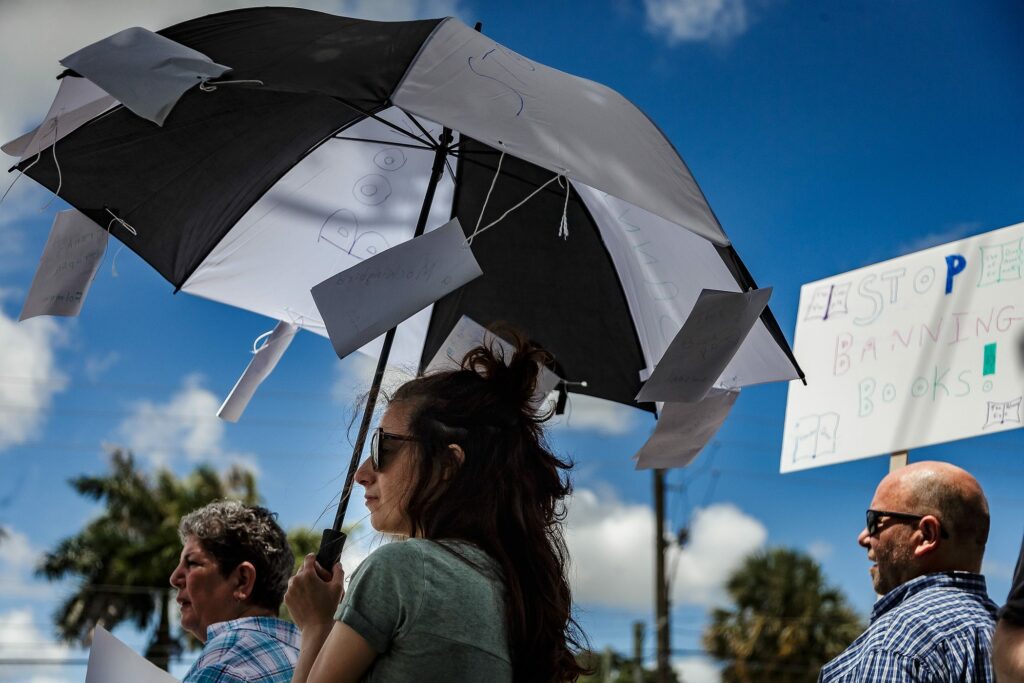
{"x": 937, "y": 627}
{"x": 247, "y": 650}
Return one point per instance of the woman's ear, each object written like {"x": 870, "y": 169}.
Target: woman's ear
{"x": 245, "y": 580}
{"x": 457, "y": 457}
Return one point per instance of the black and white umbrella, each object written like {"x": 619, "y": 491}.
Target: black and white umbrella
{"x": 250, "y": 155}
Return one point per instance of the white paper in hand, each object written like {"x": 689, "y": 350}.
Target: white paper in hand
{"x": 111, "y": 661}
{"x": 467, "y": 335}
{"x": 69, "y": 262}
{"x": 703, "y": 347}
{"x": 684, "y": 429}
{"x": 259, "y": 369}
{"x": 363, "y": 302}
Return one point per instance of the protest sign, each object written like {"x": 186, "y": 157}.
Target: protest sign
{"x": 918, "y": 350}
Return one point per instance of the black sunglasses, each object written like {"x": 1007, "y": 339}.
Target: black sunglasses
{"x": 378, "y": 436}
{"x": 874, "y": 516}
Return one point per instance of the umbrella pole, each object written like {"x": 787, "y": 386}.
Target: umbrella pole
{"x": 333, "y": 540}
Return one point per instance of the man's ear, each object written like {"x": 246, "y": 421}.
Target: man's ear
{"x": 930, "y": 530}
{"x": 244, "y": 577}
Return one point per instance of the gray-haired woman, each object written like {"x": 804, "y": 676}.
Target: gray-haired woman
{"x": 231, "y": 579}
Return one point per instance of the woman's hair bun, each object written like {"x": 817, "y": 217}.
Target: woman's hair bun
{"x": 513, "y": 368}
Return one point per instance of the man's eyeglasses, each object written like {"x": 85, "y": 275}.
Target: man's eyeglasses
{"x": 874, "y": 516}
{"x": 377, "y": 440}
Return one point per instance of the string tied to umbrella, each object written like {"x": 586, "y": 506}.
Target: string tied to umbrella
{"x": 210, "y": 86}
{"x": 563, "y": 227}
{"x": 563, "y": 230}
{"x": 60, "y": 177}
{"x": 117, "y": 219}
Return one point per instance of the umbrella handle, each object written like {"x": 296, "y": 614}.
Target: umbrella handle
{"x": 331, "y": 544}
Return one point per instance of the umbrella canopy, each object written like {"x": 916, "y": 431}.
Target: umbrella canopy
{"x": 314, "y": 151}
{"x": 252, "y": 154}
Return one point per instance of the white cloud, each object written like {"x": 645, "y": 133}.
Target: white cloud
{"x": 97, "y": 366}
{"x": 721, "y": 537}
{"x": 18, "y": 552}
{"x": 697, "y": 20}
{"x": 934, "y": 239}
{"x": 697, "y": 670}
{"x": 20, "y": 635}
{"x": 994, "y": 569}
{"x": 586, "y": 413}
{"x": 18, "y": 559}
{"x": 820, "y": 550}
{"x": 32, "y": 62}
{"x": 612, "y": 548}
{"x": 354, "y": 375}
{"x": 29, "y": 377}
{"x": 186, "y": 425}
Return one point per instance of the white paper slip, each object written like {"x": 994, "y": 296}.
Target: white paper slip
{"x": 259, "y": 368}
{"x": 111, "y": 661}
{"x": 684, "y": 429}
{"x": 704, "y": 345}
{"x": 363, "y": 302}
{"x": 69, "y": 262}
{"x": 467, "y": 335}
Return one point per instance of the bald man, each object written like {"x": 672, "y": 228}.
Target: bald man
{"x": 926, "y": 532}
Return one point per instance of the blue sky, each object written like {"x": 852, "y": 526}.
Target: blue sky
{"x": 826, "y": 136}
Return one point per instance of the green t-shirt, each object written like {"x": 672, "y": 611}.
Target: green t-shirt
{"x": 430, "y": 615}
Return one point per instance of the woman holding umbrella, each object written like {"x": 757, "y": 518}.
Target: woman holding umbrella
{"x": 478, "y": 590}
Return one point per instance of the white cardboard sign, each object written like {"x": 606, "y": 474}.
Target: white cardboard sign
{"x": 915, "y": 351}
{"x": 111, "y": 661}
{"x": 704, "y": 345}
{"x": 263, "y": 363}
{"x": 684, "y": 429}
{"x": 67, "y": 267}
{"x": 363, "y": 302}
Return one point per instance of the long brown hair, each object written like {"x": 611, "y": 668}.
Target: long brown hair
{"x": 505, "y": 497}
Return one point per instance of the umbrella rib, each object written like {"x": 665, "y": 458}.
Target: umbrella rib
{"x": 419, "y": 125}
{"x": 389, "y": 143}
{"x": 431, "y": 144}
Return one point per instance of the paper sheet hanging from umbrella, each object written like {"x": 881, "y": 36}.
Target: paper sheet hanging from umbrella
{"x": 67, "y": 267}
{"x": 77, "y": 101}
{"x": 704, "y": 345}
{"x": 259, "y": 368}
{"x": 684, "y": 429}
{"x": 363, "y": 302}
{"x": 145, "y": 71}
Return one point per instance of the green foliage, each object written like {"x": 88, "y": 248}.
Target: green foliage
{"x": 621, "y": 669}
{"x": 785, "y": 624}
{"x": 304, "y": 541}
{"x": 123, "y": 558}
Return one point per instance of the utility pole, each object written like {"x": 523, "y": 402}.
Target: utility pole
{"x": 661, "y": 598}
{"x": 638, "y": 652}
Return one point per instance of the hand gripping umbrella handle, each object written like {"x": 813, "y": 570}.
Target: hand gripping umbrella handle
{"x": 331, "y": 544}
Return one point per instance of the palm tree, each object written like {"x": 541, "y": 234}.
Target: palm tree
{"x": 124, "y": 556}
{"x": 786, "y": 622}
